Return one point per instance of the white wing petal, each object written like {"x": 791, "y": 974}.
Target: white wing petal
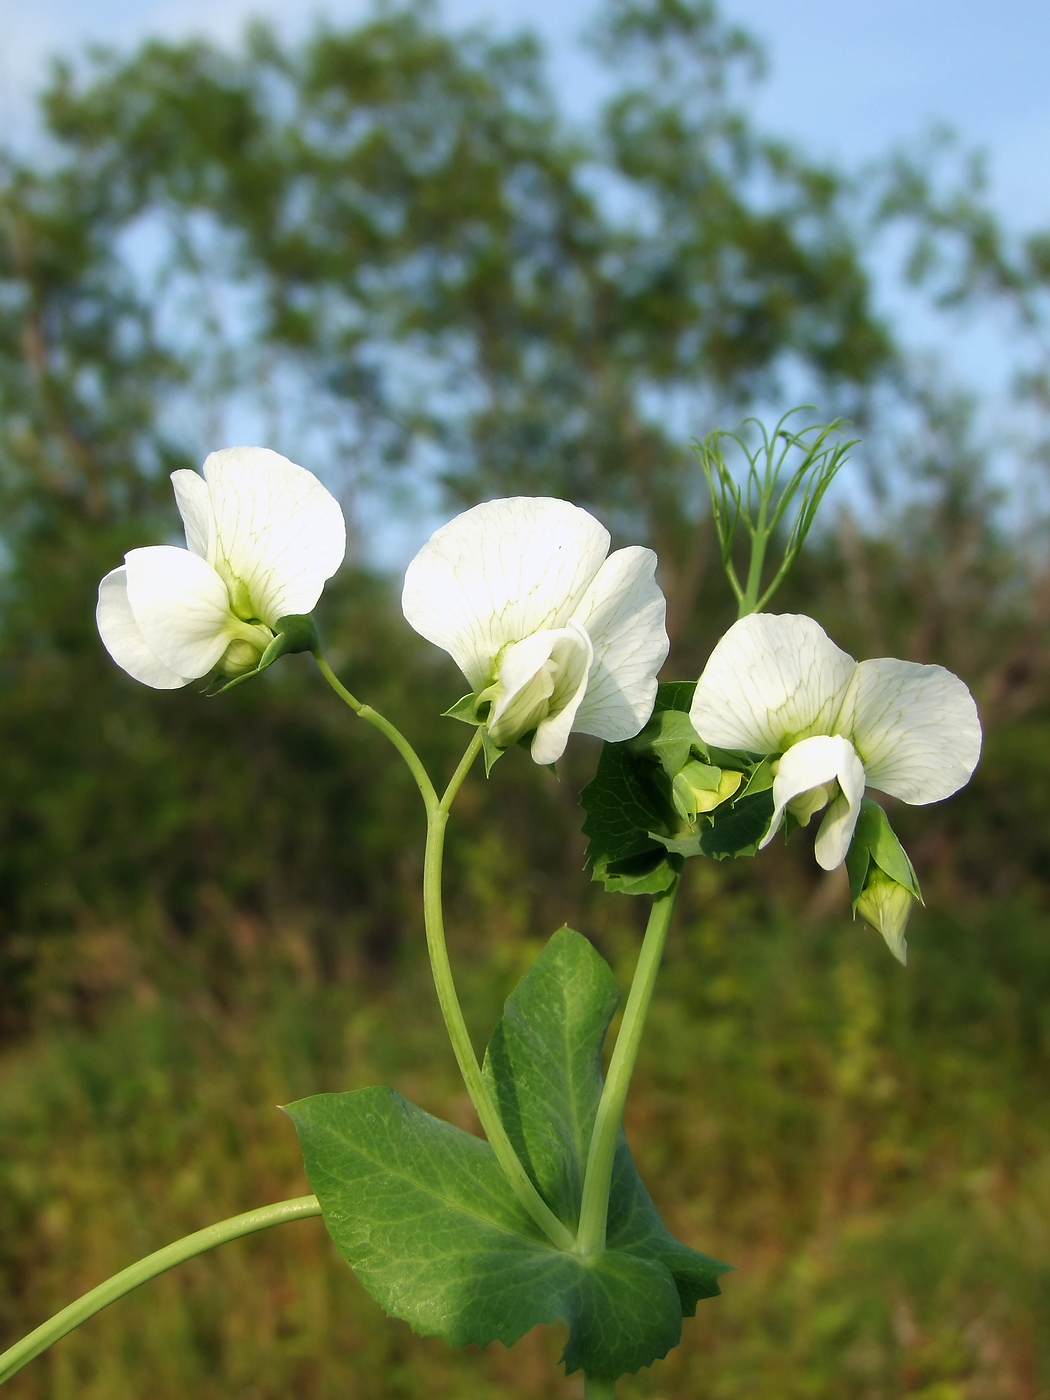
{"x": 810, "y": 764}
{"x": 499, "y": 572}
{"x": 623, "y": 610}
{"x": 552, "y": 734}
{"x": 840, "y": 820}
{"x": 773, "y": 679}
{"x": 916, "y": 728}
{"x": 192, "y": 499}
{"x": 123, "y": 639}
{"x": 277, "y": 529}
{"x": 181, "y": 607}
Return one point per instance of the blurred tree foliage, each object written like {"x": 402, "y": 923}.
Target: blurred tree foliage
{"x": 388, "y": 252}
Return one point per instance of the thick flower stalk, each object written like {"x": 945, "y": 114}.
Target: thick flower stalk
{"x": 552, "y": 635}
{"x": 262, "y": 537}
{"x": 778, "y": 685}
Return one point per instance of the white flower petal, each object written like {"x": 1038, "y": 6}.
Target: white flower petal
{"x": 277, "y": 530}
{"x": 123, "y": 639}
{"x": 541, "y": 681}
{"x": 773, "y": 679}
{"x": 840, "y": 820}
{"x": 623, "y": 610}
{"x": 192, "y": 499}
{"x": 812, "y": 763}
{"x": 498, "y": 573}
{"x": 182, "y": 608}
{"x": 915, "y": 727}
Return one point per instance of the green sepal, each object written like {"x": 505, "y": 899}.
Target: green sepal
{"x": 294, "y": 633}
{"x": 466, "y": 711}
{"x": 875, "y": 840}
{"x": 426, "y": 1218}
{"x": 761, "y": 779}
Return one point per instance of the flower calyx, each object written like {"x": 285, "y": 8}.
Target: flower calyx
{"x": 883, "y": 883}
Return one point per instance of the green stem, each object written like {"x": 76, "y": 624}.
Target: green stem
{"x": 595, "y": 1388}
{"x": 433, "y": 915}
{"x": 378, "y": 721}
{"x": 594, "y": 1209}
{"x": 72, "y": 1316}
{"x": 759, "y": 542}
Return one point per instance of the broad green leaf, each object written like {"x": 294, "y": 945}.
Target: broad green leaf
{"x": 544, "y": 1069}
{"x": 737, "y": 830}
{"x": 544, "y": 1066}
{"x": 426, "y": 1219}
{"x": 623, "y": 802}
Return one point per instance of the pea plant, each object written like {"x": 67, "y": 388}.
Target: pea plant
{"x": 546, "y": 1219}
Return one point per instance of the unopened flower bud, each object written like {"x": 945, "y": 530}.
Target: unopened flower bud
{"x": 887, "y": 907}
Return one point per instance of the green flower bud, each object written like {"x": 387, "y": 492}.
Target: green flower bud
{"x": 700, "y": 787}
{"x": 886, "y": 905}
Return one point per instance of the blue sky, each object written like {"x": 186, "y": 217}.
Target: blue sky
{"x": 848, "y": 77}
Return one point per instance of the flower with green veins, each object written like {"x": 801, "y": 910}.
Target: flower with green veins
{"x": 552, "y": 635}
{"x": 262, "y": 537}
{"x": 777, "y": 684}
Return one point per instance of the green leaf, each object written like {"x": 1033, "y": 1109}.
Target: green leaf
{"x": 427, "y": 1220}
{"x": 738, "y": 829}
{"x": 544, "y": 1067}
{"x": 652, "y": 872}
{"x": 669, "y": 738}
{"x": 674, "y": 695}
{"x": 623, "y": 802}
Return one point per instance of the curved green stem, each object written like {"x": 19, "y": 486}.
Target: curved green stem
{"x": 433, "y": 915}
{"x": 594, "y": 1208}
{"x": 72, "y": 1316}
{"x": 594, "y": 1388}
{"x": 378, "y": 721}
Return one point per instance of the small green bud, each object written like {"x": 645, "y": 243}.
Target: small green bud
{"x": 700, "y": 787}
{"x": 886, "y": 905}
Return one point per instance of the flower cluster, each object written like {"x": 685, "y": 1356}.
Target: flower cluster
{"x": 556, "y": 635}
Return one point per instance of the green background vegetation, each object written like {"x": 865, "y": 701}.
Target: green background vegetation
{"x": 387, "y": 253}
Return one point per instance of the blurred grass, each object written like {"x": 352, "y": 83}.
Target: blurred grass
{"x": 869, "y": 1146}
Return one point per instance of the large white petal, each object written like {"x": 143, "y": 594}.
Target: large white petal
{"x": 810, "y": 764}
{"x": 499, "y": 572}
{"x": 916, "y": 728}
{"x": 623, "y": 610}
{"x": 773, "y": 679}
{"x": 194, "y": 503}
{"x": 123, "y": 639}
{"x": 277, "y": 530}
{"x": 181, "y": 607}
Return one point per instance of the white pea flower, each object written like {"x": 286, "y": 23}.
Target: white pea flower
{"x": 262, "y": 536}
{"x": 550, "y": 633}
{"x": 777, "y": 684}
